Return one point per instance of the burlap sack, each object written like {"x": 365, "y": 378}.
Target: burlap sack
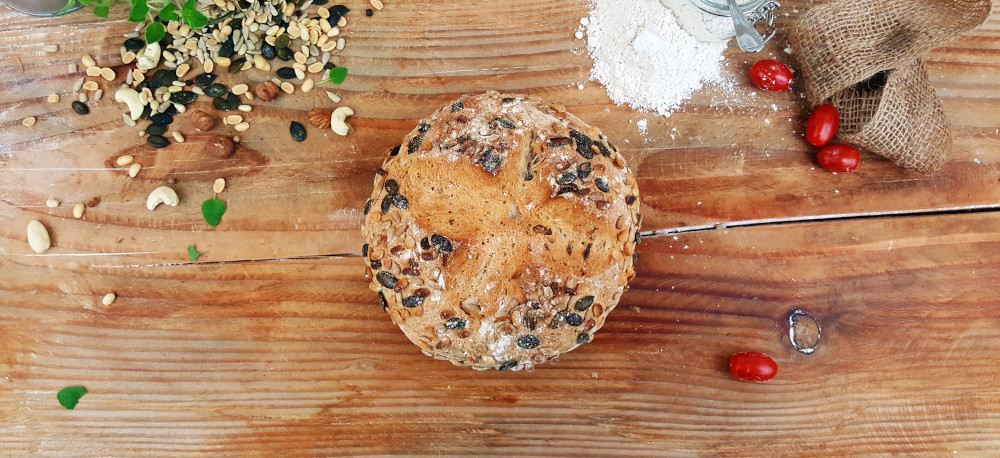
{"x": 864, "y": 57}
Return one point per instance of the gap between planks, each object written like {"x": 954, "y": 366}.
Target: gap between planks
{"x": 970, "y": 209}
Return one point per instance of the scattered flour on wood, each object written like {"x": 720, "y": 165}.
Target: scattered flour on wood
{"x": 645, "y": 59}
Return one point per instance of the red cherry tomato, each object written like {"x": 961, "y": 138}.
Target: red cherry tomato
{"x": 822, "y": 125}
{"x": 839, "y": 157}
{"x": 752, "y": 367}
{"x": 771, "y": 75}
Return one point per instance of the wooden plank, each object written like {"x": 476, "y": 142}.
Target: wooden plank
{"x": 727, "y": 156}
{"x": 296, "y": 356}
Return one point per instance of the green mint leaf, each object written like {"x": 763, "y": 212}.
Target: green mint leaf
{"x": 69, "y": 396}
{"x": 337, "y": 74}
{"x": 154, "y": 32}
{"x": 212, "y": 209}
{"x": 193, "y": 253}
{"x": 168, "y": 13}
{"x": 139, "y": 11}
{"x": 101, "y": 11}
{"x": 192, "y": 17}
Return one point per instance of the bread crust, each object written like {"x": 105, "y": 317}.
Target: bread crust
{"x": 501, "y": 233}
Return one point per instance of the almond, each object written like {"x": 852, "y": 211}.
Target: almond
{"x": 320, "y": 117}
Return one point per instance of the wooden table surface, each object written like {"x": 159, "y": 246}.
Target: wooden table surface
{"x": 271, "y": 342}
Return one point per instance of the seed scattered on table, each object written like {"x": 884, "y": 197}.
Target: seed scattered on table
{"x": 78, "y": 210}
{"x": 297, "y": 131}
{"x": 90, "y": 86}
{"x": 108, "y": 74}
{"x": 109, "y": 299}
{"x": 124, "y": 160}
{"x": 178, "y": 137}
{"x": 53, "y": 98}
{"x": 38, "y": 237}
{"x": 242, "y": 127}
{"x": 80, "y": 107}
{"x": 87, "y": 61}
{"x": 52, "y": 203}
{"x": 157, "y": 141}
{"x": 29, "y": 121}
{"x": 219, "y": 185}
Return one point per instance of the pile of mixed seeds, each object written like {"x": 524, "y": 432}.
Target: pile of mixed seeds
{"x": 240, "y": 35}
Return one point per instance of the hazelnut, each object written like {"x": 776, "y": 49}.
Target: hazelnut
{"x": 202, "y": 121}
{"x": 267, "y": 91}
{"x": 320, "y": 117}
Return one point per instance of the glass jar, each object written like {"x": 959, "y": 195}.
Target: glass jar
{"x": 44, "y": 7}
{"x": 709, "y": 20}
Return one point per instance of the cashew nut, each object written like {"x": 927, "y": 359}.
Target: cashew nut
{"x": 129, "y": 97}
{"x": 162, "y": 195}
{"x": 337, "y": 119}
{"x": 149, "y": 58}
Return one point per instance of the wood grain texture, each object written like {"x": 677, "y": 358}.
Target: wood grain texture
{"x": 272, "y": 343}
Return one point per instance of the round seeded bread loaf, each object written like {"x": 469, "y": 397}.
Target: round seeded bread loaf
{"x": 501, "y": 232}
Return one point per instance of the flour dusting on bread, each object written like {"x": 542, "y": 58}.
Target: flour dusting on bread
{"x": 501, "y": 232}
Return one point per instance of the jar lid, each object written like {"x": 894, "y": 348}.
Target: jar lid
{"x": 721, "y": 8}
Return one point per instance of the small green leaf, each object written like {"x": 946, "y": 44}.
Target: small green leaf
{"x": 154, "y": 32}
{"x": 212, "y": 209}
{"x": 192, "y": 17}
{"x": 101, "y": 11}
{"x": 69, "y": 396}
{"x": 168, "y": 13}
{"x": 139, "y": 11}
{"x": 337, "y": 74}
{"x": 193, "y": 253}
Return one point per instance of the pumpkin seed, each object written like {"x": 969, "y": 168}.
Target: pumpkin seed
{"x": 268, "y": 52}
{"x": 582, "y": 338}
{"x": 285, "y": 54}
{"x": 285, "y": 73}
{"x": 574, "y": 320}
{"x": 490, "y": 161}
{"x": 423, "y": 127}
{"x": 368, "y": 207}
{"x": 236, "y": 65}
{"x": 156, "y": 129}
{"x": 157, "y": 141}
{"x": 161, "y": 119}
{"x": 455, "y": 324}
{"x": 391, "y": 186}
{"x": 583, "y": 170}
{"x": 227, "y": 49}
{"x": 457, "y": 106}
{"x": 604, "y": 150}
{"x": 412, "y": 301}
{"x": 583, "y": 143}
{"x": 414, "y": 143}
{"x": 216, "y": 90}
{"x": 630, "y": 200}
{"x": 386, "y": 203}
{"x": 382, "y": 301}
{"x": 204, "y": 79}
{"x": 506, "y": 123}
{"x": 400, "y": 202}
{"x": 602, "y": 184}
{"x": 376, "y": 265}
{"x": 386, "y": 279}
{"x": 134, "y": 44}
{"x": 395, "y": 150}
{"x": 442, "y": 243}
{"x": 183, "y": 97}
{"x": 221, "y": 104}
{"x": 566, "y": 177}
{"x": 557, "y": 142}
{"x": 528, "y": 342}
{"x": 507, "y": 366}
{"x": 298, "y": 132}
{"x": 584, "y": 304}
{"x": 80, "y": 107}
{"x": 282, "y": 41}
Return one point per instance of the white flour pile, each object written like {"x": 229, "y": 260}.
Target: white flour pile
{"x": 645, "y": 59}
